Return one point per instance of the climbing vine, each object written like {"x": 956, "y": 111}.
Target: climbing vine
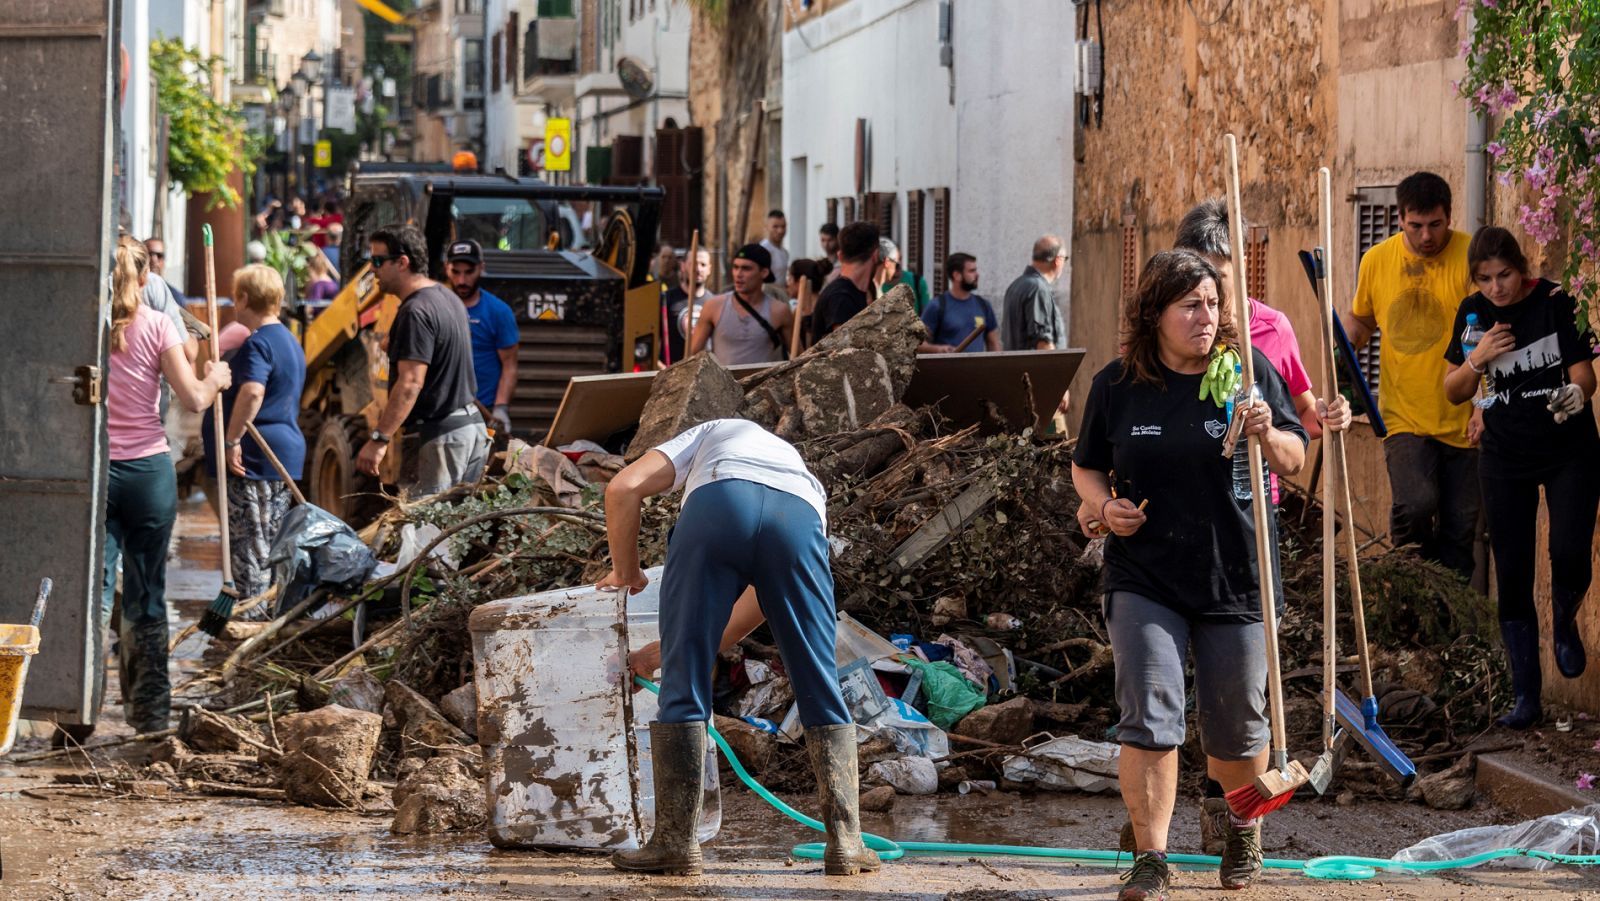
{"x": 1535, "y": 64}
{"x": 207, "y": 139}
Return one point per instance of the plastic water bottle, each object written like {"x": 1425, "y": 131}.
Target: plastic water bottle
{"x": 1471, "y": 335}
{"x": 1241, "y": 456}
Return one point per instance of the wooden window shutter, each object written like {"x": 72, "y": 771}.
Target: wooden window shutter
{"x": 1255, "y": 262}
{"x": 495, "y": 49}
{"x": 833, "y": 210}
{"x": 883, "y": 215}
{"x": 941, "y": 232}
{"x": 1130, "y": 261}
{"x": 511, "y": 49}
{"x": 1377, "y": 217}
{"x": 849, "y": 210}
{"x": 915, "y": 259}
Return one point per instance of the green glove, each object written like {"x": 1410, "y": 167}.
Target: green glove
{"x": 1221, "y": 377}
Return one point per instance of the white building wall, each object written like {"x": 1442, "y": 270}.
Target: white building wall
{"x": 1015, "y": 77}
{"x": 1004, "y": 147}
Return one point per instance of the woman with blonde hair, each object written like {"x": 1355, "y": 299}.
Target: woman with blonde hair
{"x": 271, "y": 372}
{"x": 142, "y": 497}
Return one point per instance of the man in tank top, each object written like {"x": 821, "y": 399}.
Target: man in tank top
{"x": 748, "y": 326}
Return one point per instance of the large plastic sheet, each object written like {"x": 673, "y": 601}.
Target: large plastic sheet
{"x": 314, "y": 548}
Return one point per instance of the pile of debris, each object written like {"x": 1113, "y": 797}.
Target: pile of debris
{"x": 971, "y": 602}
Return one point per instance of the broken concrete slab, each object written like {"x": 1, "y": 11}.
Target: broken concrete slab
{"x": 327, "y": 755}
{"x": 1449, "y": 789}
{"x": 847, "y": 379}
{"x": 444, "y": 795}
{"x": 461, "y": 708}
{"x": 208, "y": 732}
{"x": 752, "y": 746}
{"x": 697, "y": 390}
{"x": 423, "y": 730}
{"x": 1003, "y": 724}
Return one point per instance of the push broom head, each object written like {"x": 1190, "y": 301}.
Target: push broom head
{"x": 1270, "y": 791}
{"x": 216, "y": 617}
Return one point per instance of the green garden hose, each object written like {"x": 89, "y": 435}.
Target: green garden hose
{"x": 1334, "y": 867}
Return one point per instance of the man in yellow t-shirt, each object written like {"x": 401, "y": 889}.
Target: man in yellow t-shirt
{"x": 1409, "y": 288}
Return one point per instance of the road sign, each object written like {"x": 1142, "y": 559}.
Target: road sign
{"x": 536, "y": 155}
{"x": 341, "y": 110}
{"x": 324, "y": 155}
{"x": 558, "y": 145}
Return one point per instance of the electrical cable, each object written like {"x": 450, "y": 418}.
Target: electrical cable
{"x": 1346, "y": 867}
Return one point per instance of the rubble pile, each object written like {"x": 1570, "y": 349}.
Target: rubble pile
{"x": 970, "y": 600}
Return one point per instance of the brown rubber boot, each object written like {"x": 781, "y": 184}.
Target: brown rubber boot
{"x": 678, "y": 757}
{"x": 833, "y": 759}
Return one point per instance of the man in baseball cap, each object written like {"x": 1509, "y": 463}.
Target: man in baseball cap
{"x": 745, "y": 325}
{"x": 759, "y": 255}
{"x": 494, "y": 333}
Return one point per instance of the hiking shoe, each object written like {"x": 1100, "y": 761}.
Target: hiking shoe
{"x": 1214, "y": 826}
{"x": 1241, "y": 856}
{"x": 1126, "y": 843}
{"x": 1147, "y": 880}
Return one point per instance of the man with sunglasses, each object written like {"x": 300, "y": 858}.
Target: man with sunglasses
{"x": 431, "y": 382}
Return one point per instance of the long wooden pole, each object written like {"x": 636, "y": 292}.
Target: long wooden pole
{"x": 1258, "y": 502}
{"x": 1330, "y": 545}
{"x": 218, "y": 426}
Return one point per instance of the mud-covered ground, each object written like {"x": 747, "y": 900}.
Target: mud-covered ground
{"x": 58, "y": 843}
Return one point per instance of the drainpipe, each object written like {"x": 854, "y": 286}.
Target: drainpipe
{"x": 1477, "y": 168}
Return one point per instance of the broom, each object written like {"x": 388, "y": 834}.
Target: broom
{"x": 1272, "y": 789}
{"x": 217, "y": 615}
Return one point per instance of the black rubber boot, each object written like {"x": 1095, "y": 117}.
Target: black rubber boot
{"x": 833, "y": 760}
{"x": 1570, "y": 658}
{"x": 678, "y": 760}
{"x": 1521, "y": 639}
{"x": 142, "y": 668}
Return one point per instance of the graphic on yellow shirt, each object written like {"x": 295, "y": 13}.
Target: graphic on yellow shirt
{"x": 1414, "y": 300}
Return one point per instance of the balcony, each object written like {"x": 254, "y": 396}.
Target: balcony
{"x": 550, "y": 60}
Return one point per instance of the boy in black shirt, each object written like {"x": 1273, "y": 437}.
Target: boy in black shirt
{"x": 846, "y": 295}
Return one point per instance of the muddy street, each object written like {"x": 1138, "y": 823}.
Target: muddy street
{"x": 64, "y": 842}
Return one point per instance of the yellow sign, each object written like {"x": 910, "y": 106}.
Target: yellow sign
{"x": 558, "y": 145}
{"x": 324, "y": 156}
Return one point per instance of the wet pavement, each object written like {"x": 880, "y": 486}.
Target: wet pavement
{"x": 60, "y": 843}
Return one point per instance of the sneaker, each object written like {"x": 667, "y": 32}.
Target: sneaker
{"x": 1214, "y": 826}
{"x": 1241, "y": 856}
{"x": 1147, "y": 880}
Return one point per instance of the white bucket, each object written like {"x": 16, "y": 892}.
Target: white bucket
{"x": 565, "y": 740}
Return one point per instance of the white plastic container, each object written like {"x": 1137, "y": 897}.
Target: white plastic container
{"x": 565, "y": 739}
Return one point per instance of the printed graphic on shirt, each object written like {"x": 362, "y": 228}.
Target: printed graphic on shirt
{"x": 1146, "y": 431}
{"x": 1215, "y": 428}
{"x": 1514, "y": 368}
{"x": 1417, "y": 321}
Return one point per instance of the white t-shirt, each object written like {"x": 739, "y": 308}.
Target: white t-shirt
{"x": 740, "y": 449}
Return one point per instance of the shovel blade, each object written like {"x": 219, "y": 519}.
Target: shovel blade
{"x": 1328, "y": 764}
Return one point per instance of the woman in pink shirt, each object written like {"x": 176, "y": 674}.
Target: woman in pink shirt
{"x": 142, "y": 497}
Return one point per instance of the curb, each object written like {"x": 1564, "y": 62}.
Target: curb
{"x": 1515, "y": 789}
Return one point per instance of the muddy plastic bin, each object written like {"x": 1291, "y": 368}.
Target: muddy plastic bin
{"x": 18, "y": 644}
{"x": 559, "y": 725}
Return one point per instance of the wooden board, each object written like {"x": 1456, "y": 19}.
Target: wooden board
{"x": 596, "y": 407}
{"x": 963, "y": 385}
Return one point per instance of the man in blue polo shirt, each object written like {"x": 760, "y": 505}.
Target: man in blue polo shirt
{"x": 960, "y": 311}
{"x": 494, "y": 333}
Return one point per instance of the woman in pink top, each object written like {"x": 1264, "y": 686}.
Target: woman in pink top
{"x": 142, "y": 497}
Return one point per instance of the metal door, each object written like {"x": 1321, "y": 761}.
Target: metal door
{"x": 56, "y": 65}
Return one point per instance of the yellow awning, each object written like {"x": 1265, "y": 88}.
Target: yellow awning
{"x": 382, "y": 11}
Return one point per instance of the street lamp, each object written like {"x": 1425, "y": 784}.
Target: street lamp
{"x": 310, "y": 76}
{"x": 311, "y": 66}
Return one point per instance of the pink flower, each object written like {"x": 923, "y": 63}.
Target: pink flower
{"x": 1585, "y": 781}
{"x": 1591, "y": 136}
{"x": 1545, "y": 116}
{"x": 1576, "y": 287}
{"x": 1491, "y": 4}
{"x": 1495, "y": 149}
{"x": 1508, "y": 96}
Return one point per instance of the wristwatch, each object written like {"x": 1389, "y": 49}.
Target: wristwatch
{"x": 379, "y": 437}
{"x": 230, "y": 445}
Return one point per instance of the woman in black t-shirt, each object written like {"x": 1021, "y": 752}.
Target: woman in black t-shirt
{"x": 1537, "y": 367}
{"x": 1180, "y": 573}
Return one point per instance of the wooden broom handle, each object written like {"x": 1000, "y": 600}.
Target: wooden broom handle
{"x": 276, "y": 463}
{"x": 1330, "y": 544}
{"x": 218, "y": 427}
{"x": 1258, "y": 503}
